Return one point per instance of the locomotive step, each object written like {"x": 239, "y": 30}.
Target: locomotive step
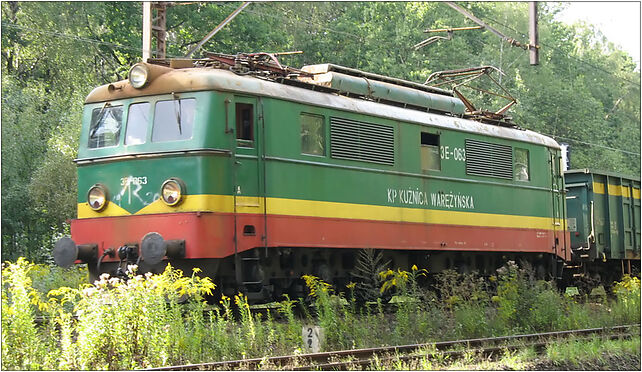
{"x": 252, "y": 283}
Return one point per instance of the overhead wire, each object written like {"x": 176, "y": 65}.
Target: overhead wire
{"x": 518, "y": 96}
{"x": 74, "y": 37}
{"x": 592, "y": 144}
{"x": 569, "y": 55}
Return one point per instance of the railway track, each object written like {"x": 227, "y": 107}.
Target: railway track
{"x": 345, "y": 359}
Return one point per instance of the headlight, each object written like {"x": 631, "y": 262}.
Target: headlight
{"x": 97, "y": 197}
{"x": 138, "y": 75}
{"x": 172, "y": 191}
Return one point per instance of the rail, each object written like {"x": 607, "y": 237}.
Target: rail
{"x": 343, "y": 359}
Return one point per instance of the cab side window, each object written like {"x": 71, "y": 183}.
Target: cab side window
{"x": 430, "y": 159}
{"x": 521, "y": 167}
{"x": 312, "y": 134}
{"x": 245, "y": 125}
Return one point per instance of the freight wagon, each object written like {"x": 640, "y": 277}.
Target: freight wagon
{"x": 604, "y": 223}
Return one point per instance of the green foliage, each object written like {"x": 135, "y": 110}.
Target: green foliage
{"x": 46, "y": 278}
{"x": 125, "y": 324}
{"x": 578, "y": 316}
{"x": 325, "y": 306}
{"x": 524, "y": 303}
{"x": 472, "y": 320}
{"x": 366, "y": 271}
{"x": 155, "y": 320}
{"x": 22, "y": 348}
{"x": 583, "y": 354}
{"x": 459, "y": 289}
{"x": 291, "y": 335}
{"x": 627, "y": 306}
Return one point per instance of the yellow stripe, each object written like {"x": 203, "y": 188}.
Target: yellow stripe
{"x": 397, "y": 214}
{"x": 616, "y": 190}
{"x": 193, "y": 203}
{"x": 84, "y": 211}
{"x": 310, "y": 208}
{"x": 598, "y": 188}
{"x": 625, "y": 191}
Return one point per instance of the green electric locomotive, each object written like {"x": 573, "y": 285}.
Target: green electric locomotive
{"x": 258, "y": 173}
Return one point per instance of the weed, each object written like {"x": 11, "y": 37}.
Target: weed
{"x": 457, "y": 289}
{"x": 404, "y": 283}
{"x": 21, "y": 345}
{"x": 46, "y": 278}
{"x": 471, "y": 320}
{"x": 516, "y": 360}
{"x": 321, "y": 291}
{"x": 157, "y": 320}
{"x": 368, "y": 265}
{"x": 626, "y": 308}
{"x": 542, "y": 314}
{"x": 247, "y": 330}
{"x": 291, "y": 334}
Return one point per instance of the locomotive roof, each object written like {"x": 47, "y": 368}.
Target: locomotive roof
{"x": 207, "y": 78}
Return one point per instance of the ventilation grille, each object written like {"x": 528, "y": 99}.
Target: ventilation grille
{"x": 357, "y": 140}
{"x": 489, "y": 159}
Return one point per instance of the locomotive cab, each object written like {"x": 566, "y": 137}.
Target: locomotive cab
{"x": 155, "y": 178}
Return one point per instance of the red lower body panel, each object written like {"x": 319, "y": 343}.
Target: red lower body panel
{"x": 206, "y": 235}
{"x": 324, "y": 232}
{"x": 211, "y": 235}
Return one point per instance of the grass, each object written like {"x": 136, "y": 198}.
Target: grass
{"x": 595, "y": 353}
{"x": 592, "y": 354}
{"x": 156, "y": 320}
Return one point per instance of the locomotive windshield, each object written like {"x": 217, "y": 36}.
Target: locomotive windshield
{"x": 140, "y": 125}
{"x": 173, "y": 120}
{"x": 104, "y": 130}
{"x": 137, "y": 122}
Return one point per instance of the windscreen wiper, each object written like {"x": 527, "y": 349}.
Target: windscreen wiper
{"x": 100, "y": 118}
{"x": 177, "y": 112}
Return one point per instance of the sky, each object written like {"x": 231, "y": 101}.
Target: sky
{"x": 618, "y": 21}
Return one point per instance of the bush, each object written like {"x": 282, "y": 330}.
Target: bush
{"x": 22, "y": 346}
{"x": 325, "y": 306}
{"x": 525, "y": 304}
{"x": 472, "y": 321}
{"x": 546, "y": 311}
{"x": 156, "y": 320}
{"x": 45, "y": 277}
{"x": 626, "y": 308}
{"x": 134, "y": 323}
{"x": 457, "y": 289}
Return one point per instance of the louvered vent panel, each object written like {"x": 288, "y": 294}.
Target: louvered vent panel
{"x": 489, "y": 159}
{"x": 358, "y": 140}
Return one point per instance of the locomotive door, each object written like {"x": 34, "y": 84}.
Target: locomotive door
{"x": 248, "y": 188}
{"x": 558, "y": 210}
